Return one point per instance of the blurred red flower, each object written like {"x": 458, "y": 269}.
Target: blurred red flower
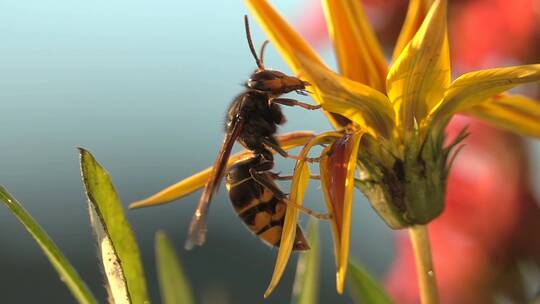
{"x": 489, "y": 32}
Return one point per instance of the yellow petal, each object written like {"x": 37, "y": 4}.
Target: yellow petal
{"x": 347, "y": 212}
{"x": 516, "y": 113}
{"x": 357, "y": 49}
{"x": 298, "y": 187}
{"x": 416, "y": 13}
{"x": 288, "y": 43}
{"x": 337, "y": 180}
{"x": 332, "y": 194}
{"x": 475, "y": 87}
{"x": 196, "y": 181}
{"x": 344, "y": 158}
{"x": 299, "y": 184}
{"x": 365, "y": 106}
{"x": 421, "y": 73}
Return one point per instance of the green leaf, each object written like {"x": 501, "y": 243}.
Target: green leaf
{"x": 173, "y": 284}
{"x": 363, "y": 288}
{"x": 306, "y": 282}
{"x": 67, "y": 273}
{"x": 117, "y": 246}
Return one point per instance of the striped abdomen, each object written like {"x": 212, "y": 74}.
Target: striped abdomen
{"x": 261, "y": 211}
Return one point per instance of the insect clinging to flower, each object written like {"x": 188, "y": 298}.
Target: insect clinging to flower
{"x": 252, "y": 120}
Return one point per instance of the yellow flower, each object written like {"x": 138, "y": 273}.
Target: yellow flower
{"x": 396, "y": 115}
{"x": 389, "y": 120}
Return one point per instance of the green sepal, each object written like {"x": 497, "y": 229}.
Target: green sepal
{"x": 406, "y": 184}
{"x": 381, "y": 180}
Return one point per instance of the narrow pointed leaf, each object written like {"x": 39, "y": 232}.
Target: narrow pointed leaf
{"x": 476, "y": 87}
{"x": 416, "y": 13}
{"x": 363, "y": 288}
{"x": 365, "y": 106}
{"x": 359, "y": 54}
{"x": 118, "y": 248}
{"x": 117, "y": 288}
{"x": 198, "y": 180}
{"x": 419, "y": 77}
{"x": 65, "y": 270}
{"x": 516, "y": 113}
{"x": 306, "y": 281}
{"x": 299, "y": 185}
{"x": 289, "y": 44}
{"x": 173, "y": 284}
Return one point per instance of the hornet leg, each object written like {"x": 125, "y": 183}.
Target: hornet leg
{"x": 277, "y": 148}
{"x": 264, "y": 180}
{"x": 292, "y": 102}
{"x": 276, "y": 176}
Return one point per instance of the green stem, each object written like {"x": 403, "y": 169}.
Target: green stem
{"x": 424, "y": 264}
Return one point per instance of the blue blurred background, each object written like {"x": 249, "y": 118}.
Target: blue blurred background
{"x": 144, "y": 86}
